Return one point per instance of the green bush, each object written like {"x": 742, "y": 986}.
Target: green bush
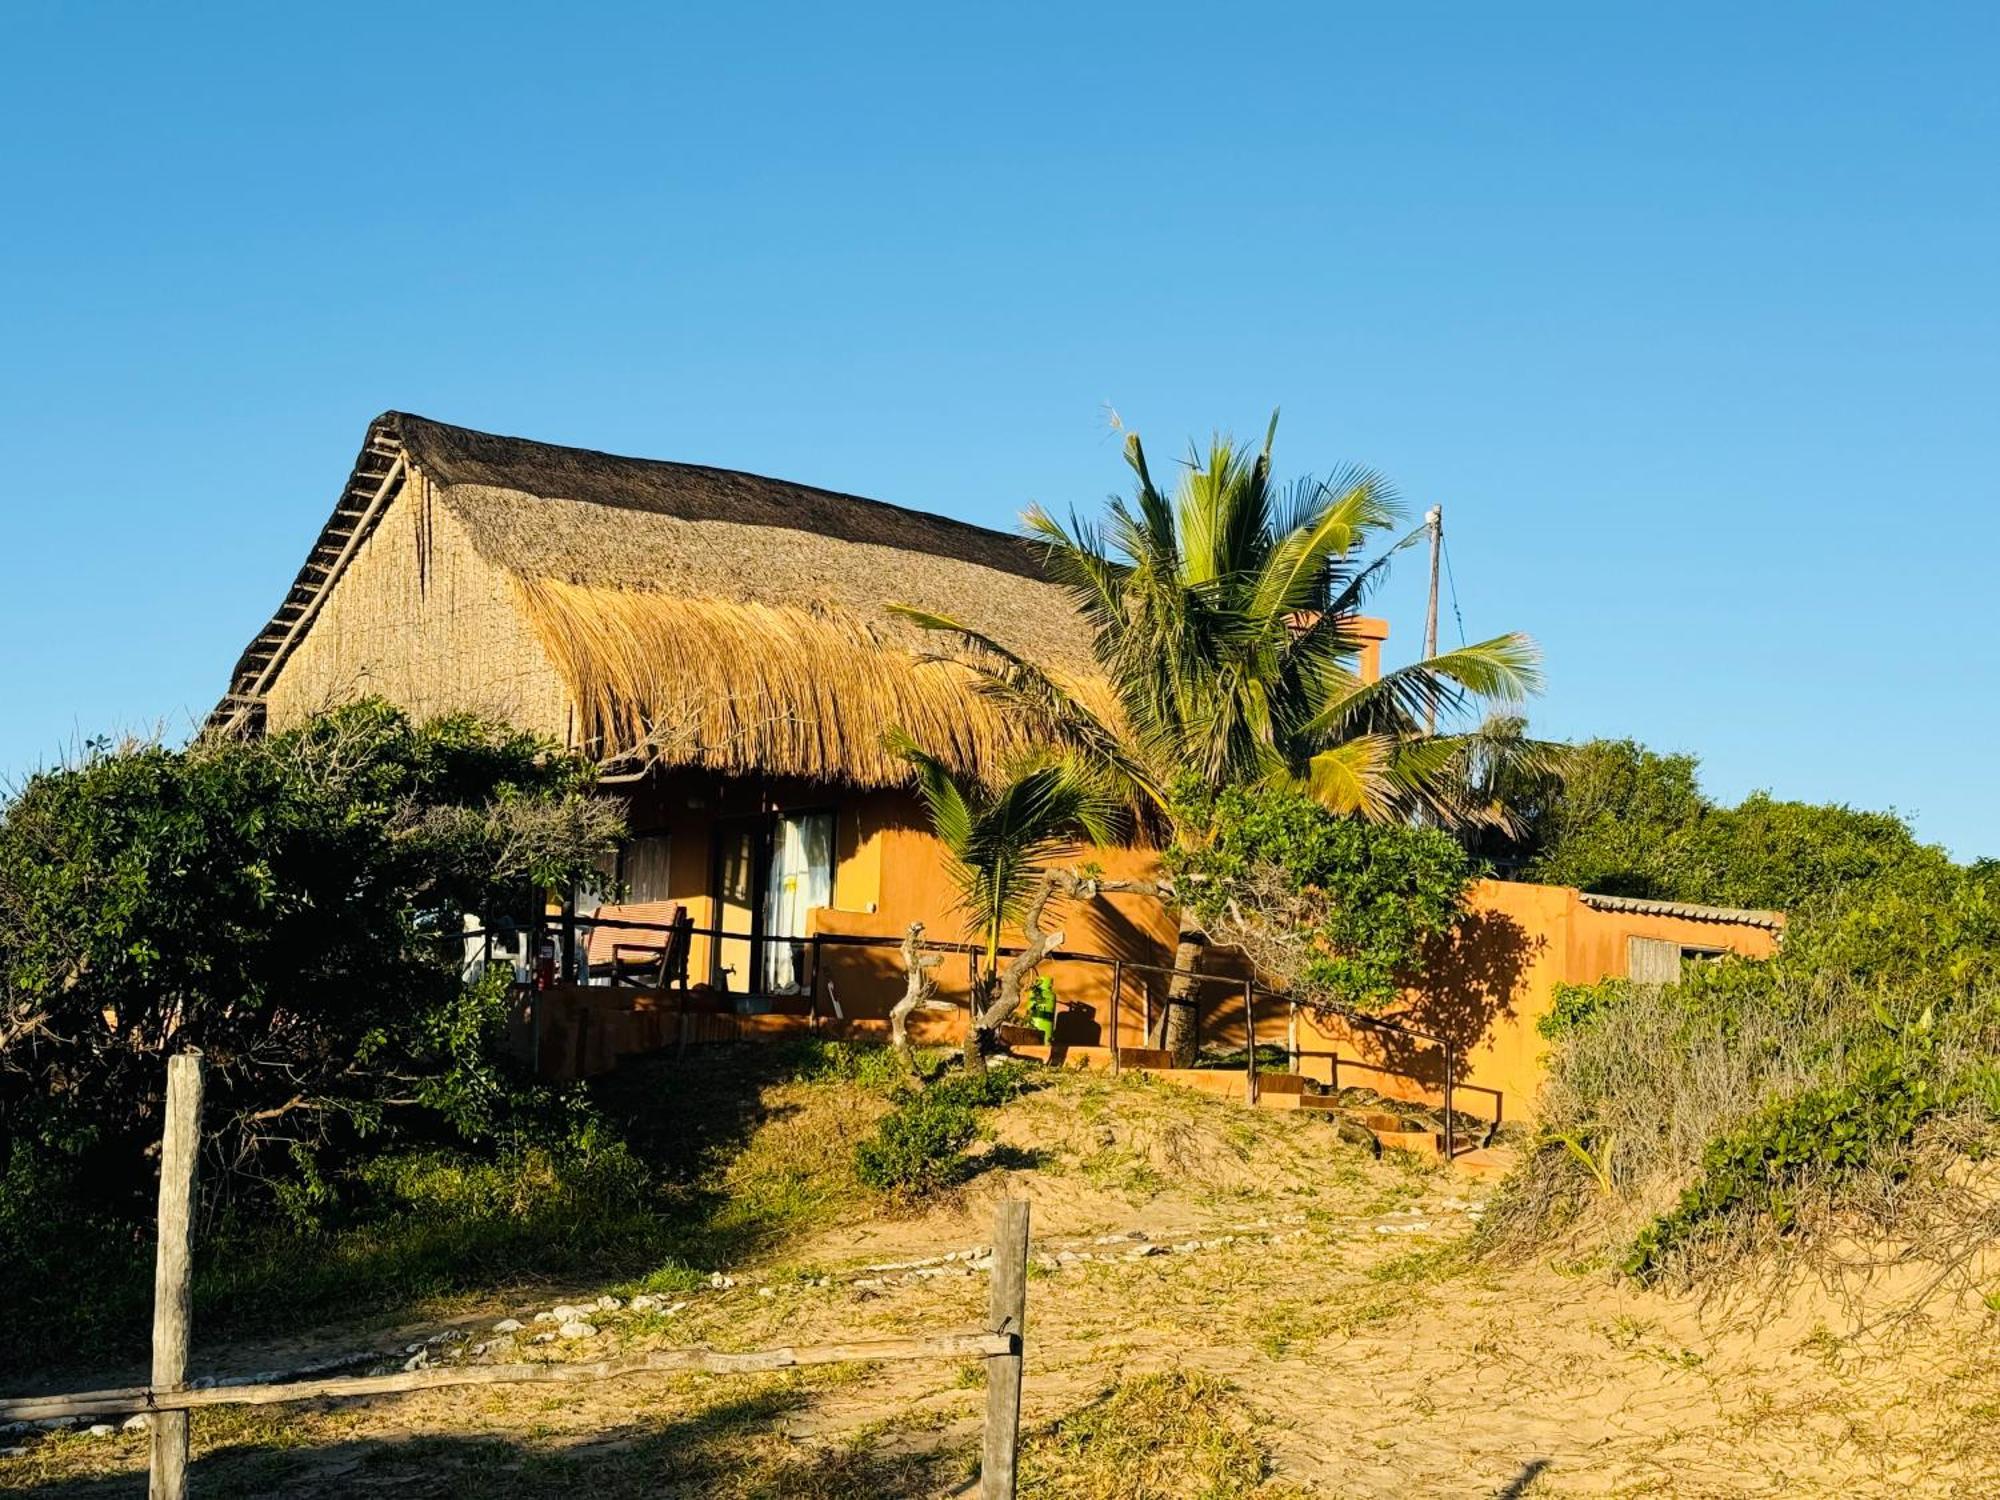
{"x": 1338, "y": 911}
{"x": 291, "y": 906}
{"x": 1629, "y": 821}
{"x": 919, "y": 1146}
{"x": 1818, "y": 1136}
{"x": 1574, "y": 1006}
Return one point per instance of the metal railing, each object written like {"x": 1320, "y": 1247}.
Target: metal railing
{"x": 571, "y": 968}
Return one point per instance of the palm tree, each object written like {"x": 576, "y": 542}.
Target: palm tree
{"x": 1222, "y": 618}
{"x": 1002, "y": 842}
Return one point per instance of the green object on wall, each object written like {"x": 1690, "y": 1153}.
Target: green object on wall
{"x": 1042, "y": 1008}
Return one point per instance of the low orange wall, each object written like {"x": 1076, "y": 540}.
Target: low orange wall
{"x": 579, "y": 1031}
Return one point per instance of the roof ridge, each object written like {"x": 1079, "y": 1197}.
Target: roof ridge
{"x": 450, "y": 454}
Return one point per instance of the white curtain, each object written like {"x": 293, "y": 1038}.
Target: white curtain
{"x": 801, "y": 879}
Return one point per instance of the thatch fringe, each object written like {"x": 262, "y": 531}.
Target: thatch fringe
{"x": 740, "y": 686}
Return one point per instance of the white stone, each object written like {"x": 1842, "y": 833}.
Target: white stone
{"x": 101, "y": 1429}
{"x": 609, "y": 1304}
{"x": 645, "y": 1302}
{"x": 508, "y": 1325}
{"x": 565, "y": 1312}
{"x": 547, "y": 1317}
{"x": 765, "y": 1291}
{"x": 577, "y": 1329}
{"x": 412, "y": 1348}
{"x": 720, "y": 1282}
{"x": 139, "y": 1423}
{"x": 543, "y": 1338}
{"x": 416, "y": 1361}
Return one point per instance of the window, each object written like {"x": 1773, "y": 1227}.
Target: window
{"x": 644, "y": 867}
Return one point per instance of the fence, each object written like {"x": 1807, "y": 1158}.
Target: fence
{"x": 810, "y": 961}
{"x": 169, "y": 1397}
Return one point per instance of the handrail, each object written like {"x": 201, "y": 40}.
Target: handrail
{"x": 1250, "y": 989}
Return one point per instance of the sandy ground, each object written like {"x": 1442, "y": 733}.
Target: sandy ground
{"x": 1329, "y": 1289}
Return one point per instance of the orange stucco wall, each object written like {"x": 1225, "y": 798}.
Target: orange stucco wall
{"x": 1485, "y": 991}
{"x": 1489, "y": 987}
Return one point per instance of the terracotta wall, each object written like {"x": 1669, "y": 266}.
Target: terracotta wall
{"x": 1484, "y": 992}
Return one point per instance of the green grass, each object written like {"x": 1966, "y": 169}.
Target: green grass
{"x": 724, "y": 1155}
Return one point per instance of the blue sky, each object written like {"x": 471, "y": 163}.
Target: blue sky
{"x": 1687, "y": 315}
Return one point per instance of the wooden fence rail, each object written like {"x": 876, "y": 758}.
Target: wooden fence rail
{"x": 170, "y": 1397}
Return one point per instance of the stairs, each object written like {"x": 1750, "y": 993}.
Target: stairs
{"x": 1389, "y": 1130}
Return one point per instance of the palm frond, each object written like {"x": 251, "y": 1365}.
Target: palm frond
{"x": 951, "y": 815}
{"x": 1504, "y": 669}
{"x": 1355, "y": 778}
{"x": 1060, "y": 716}
{"x": 1292, "y": 581}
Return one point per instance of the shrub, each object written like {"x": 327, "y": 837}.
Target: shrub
{"x": 1758, "y": 1168}
{"x": 919, "y": 1146}
{"x": 289, "y": 905}
{"x": 1629, "y": 821}
{"x": 1761, "y": 1103}
{"x": 1573, "y": 1006}
{"x": 1336, "y": 910}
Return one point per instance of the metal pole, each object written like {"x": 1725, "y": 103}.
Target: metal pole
{"x": 1117, "y": 995}
{"x": 1450, "y": 1125}
{"x": 812, "y": 995}
{"x": 1434, "y": 519}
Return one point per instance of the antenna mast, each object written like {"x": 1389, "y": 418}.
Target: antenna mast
{"x": 1434, "y": 520}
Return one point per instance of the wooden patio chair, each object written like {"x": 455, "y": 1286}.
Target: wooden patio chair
{"x": 646, "y": 959}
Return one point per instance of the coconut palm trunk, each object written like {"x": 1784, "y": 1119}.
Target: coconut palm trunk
{"x": 1179, "y": 1029}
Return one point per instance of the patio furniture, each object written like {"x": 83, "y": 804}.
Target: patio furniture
{"x": 640, "y": 956}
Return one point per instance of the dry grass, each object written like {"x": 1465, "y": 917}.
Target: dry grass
{"x": 1315, "y": 1356}
{"x": 742, "y": 685}
{"x": 1173, "y": 1434}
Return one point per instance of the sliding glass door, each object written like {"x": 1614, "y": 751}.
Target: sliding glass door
{"x": 801, "y": 878}
{"x": 770, "y": 872}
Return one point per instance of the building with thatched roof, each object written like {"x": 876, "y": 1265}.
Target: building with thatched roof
{"x": 721, "y": 643}
{"x": 718, "y": 641}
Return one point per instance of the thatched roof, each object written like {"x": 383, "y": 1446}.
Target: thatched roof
{"x": 706, "y": 616}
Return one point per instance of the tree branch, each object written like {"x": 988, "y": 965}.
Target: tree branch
{"x": 918, "y": 986}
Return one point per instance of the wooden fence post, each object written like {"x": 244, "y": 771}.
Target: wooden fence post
{"x": 1250, "y": 1042}
{"x": 1006, "y": 1312}
{"x": 173, "y": 1271}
